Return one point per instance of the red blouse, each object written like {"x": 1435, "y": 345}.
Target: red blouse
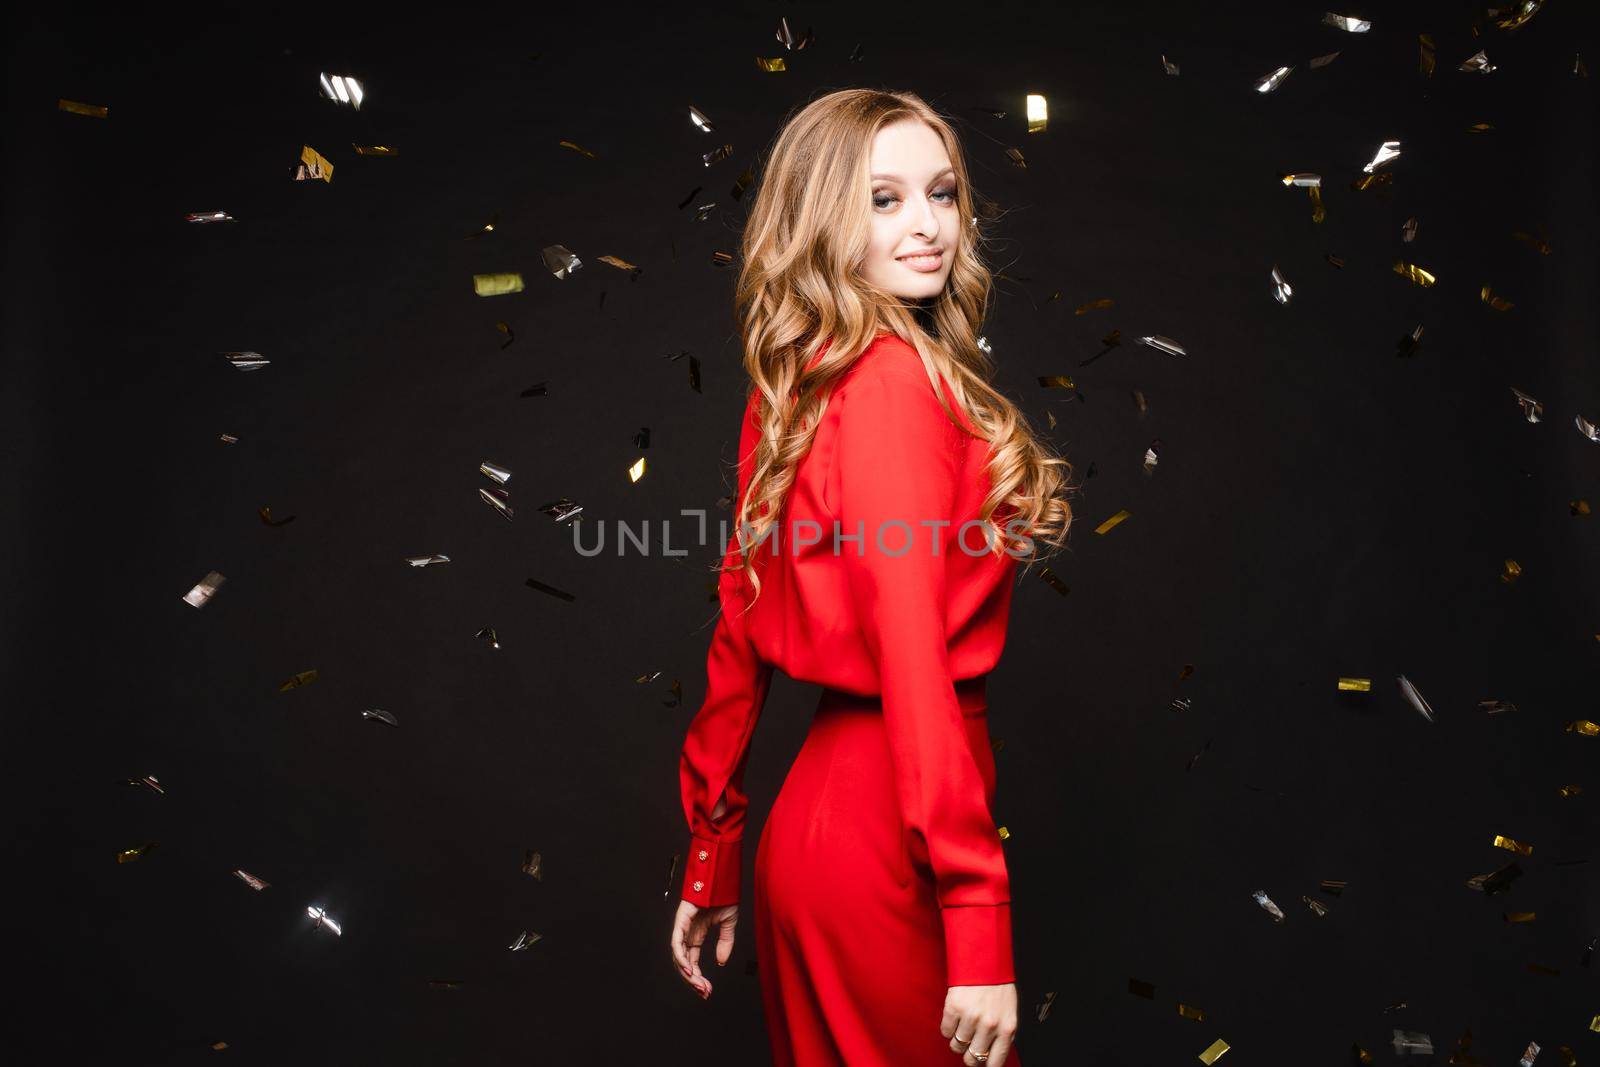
{"x": 863, "y": 614}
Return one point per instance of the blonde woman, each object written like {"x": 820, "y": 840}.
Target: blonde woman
{"x": 886, "y": 496}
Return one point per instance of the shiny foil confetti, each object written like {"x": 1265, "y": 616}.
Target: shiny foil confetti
{"x": 621, "y": 264}
{"x": 496, "y": 284}
{"x": 1322, "y": 61}
{"x": 1414, "y": 698}
{"x": 1477, "y": 63}
{"x": 1268, "y": 82}
{"x": 208, "y": 216}
{"x": 1055, "y": 381}
{"x": 717, "y": 155}
{"x": 1499, "y": 303}
{"x": 771, "y": 66}
{"x": 1412, "y": 1043}
{"x": 1333, "y": 887}
{"x": 94, "y": 111}
{"x": 1281, "y": 290}
{"x": 1425, "y": 60}
{"x": 488, "y": 634}
{"x": 1511, "y": 845}
{"x": 494, "y": 472}
{"x": 324, "y": 920}
{"x": 511, "y": 335}
{"x": 499, "y": 500}
{"x": 1053, "y": 580}
{"x": 1260, "y": 897}
{"x": 741, "y": 183}
{"x": 562, "y": 510}
{"x": 1355, "y": 685}
{"x": 1043, "y": 1010}
{"x": 1587, "y": 428}
{"x": 246, "y": 361}
{"x": 1300, "y": 178}
{"x": 342, "y": 89}
{"x": 636, "y": 471}
{"x": 1531, "y": 408}
{"x": 1163, "y": 344}
{"x": 1511, "y": 571}
{"x": 534, "y": 583}
{"x": 374, "y": 150}
{"x": 1495, "y": 881}
{"x": 426, "y": 561}
{"x": 786, "y": 37}
{"x": 1408, "y": 230}
{"x": 228, "y": 439}
{"x": 1038, "y": 113}
{"x": 699, "y": 119}
{"x": 560, "y": 261}
{"x": 1387, "y": 153}
{"x": 1169, "y": 66}
{"x": 1318, "y": 212}
{"x": 148, "y": 782}
{"x": 1496, "y": 707}
{"x": 533, "y": 864}
{"x": 1539, "y": 244}
{"x": 250, "y": 880}
{"x": 1519, "y": 916}
{"x": 1318, "y": 908}
{"x": 1414, "y": 274}
{"x": 265, "y": 511}
{"x": 1189, "y": 1011}
{"x": 525, "y": 939}
{"x": 1411, "y": 343}
{"x": 1113, "y": 521}
{"x": 313, "y": 167}
{"x": 579, "y": 149}
{"x": 298, "y": 680}
{"x": 379, "y": 715}
{"x": 1346, "y": 23}
{"x": 204, "y": 590}
{"x": 1015, "y": 156}
{"x": 1583, "y": 727}
{"x": 1094, "y": 305}
{"x": 129, "y": 855}
{"x": 1213, "y": 1052}
{"x": 1529, "y": 1055}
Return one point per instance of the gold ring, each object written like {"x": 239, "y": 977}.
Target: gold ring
{"x": 981, "y": 1057}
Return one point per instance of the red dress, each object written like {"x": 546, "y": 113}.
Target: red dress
{"x": 879, "y": 876}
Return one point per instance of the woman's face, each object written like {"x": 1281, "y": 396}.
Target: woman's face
{"x": 914, "y": 211}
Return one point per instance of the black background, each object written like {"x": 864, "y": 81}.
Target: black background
{"x": 1321, "y": 508}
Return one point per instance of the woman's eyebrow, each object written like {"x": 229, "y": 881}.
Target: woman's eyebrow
{"x": 897, "y": 178}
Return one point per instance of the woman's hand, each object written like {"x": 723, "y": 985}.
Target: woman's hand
{"x": 689, "y": 930}
{"x": 981, "y": 1018}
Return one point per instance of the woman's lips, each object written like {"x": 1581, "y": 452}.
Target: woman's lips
{"x": 923, "y": 263}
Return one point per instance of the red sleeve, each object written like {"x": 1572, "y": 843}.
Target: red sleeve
{"x": 711, "y": 766}
{"x": 900, "y": 461}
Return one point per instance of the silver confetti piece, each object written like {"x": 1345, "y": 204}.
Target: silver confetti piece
{"x": 1386, "y": 152}
{"x": 698, "y": 117}
{"x": 1477, "y": 63}
{"x": 1044, "y": 1006}
{"x": 703, "y": 212}
{"x": 1169, "y": 66}
{"x": 1265, "y": 901}
{"x": 324, "y": 920}
{"x": 1411, "y": 694}
{"x": 379, "y": 715}
{"x": 229, "y": 439}
{"x": 204, "y": 590}
{"x": 1587, "y": 428}
{"x": 1529, "y": 1055}
{"x": 208, "y": 216}
{"x": 560, "y": 261}
{"x": 1281, "y": 289}
{"x": 424, "y": 561}
{"x": 1413, "y": 1043}
{"x": 251, "y": 880}
{"x": 1346, "y": 23}
{"x": 985, "y": 347}
{"x": 1303, "y": 179}
{"x": 1164, "y": 344}
{"x": 1531, "y": 408}
{"x": 1322, "y": 61}
{"x": 524, "y": 939}
{"x": 1408, "y": 231}
{"x": 1496, "y": 707}
{"x": 488, "y": 634}
{"x": 716, "y": 155}
{"x": 490, "y": 469}
{"x": 562, "y": 510}
{"x": 342, "y": 89}
{"x": 1268, "y": 82}
{"x": 246, "y": 360}
{"x": 495, "y": 500}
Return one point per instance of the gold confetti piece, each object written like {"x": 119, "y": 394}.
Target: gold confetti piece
{"x": 1321, "y": 61}
{"x": 1141, "y": 989}
{"x": 771, "y": 66}
{"x": 94, "y": 111}
{"x": 1015, "y": 155}
{"x": 128, "y": 855}
{"x": 1498, "y": 303}
{"x": 1268, "y": 82}
{"x": 149, "y": 782}
{"x": 534, "y": 583}
{"x": 1355, "y": 685}
{"x": 1509, "y": 18}
{"x": 1511, "y": 571}
{"x": 496, "y": 284}
{"x": 313, "y": 166}
{"x": 1055, "y": 381}
{"x": 374, "y": 149}
{"x": 533, "y": 864}
{"x": 1038, "y": 113}
{"x": 1333, "y": 886}
{"x": 1335, "y": 261}
{"x": 1519, "y": 916}
{"x": 1318, "y": 212}
{"x": 620, "y": 264}
{"x": 265, "y": 511}
{"x": 1568, "y": 1057}
{"x": 204, "y": 590}
{"x": 698, "y": 117}
{"x": 1477, "y": 63}
{"x": 721, "y": 259}
{"x": 250, "y": 880}
{"x": 742, "y": 183}
{"x": 342, "y": 89}
{"x": 1372, "y": 181}
{"x": 579, "y": 148}
{"x": 1053, "y": 580}
{"x": 1480, "y": 127}
{"x": 1495, "y": 881}
{"x": 1583, "y": 727}
{"x": 1346, "y": 23}
{"x": 505, "y": 328}
{"x": 1538, "y": 244}
{"x": 488, "y": 634}
{"x": 1213, "y": 1052}
{"x": 1170, "y": 67}
{"x": 1095, "y": 305}
{"x": 298, "y": 680}
{"x": 219, "y": 1045}
{"x": 208, "y": 217}
{"x": 1189, "y": 1011}
{"x": 1281, "y": 289}
{"x": 1425, "y": 61}
{"x": 1413, "y": 273}
{"x": 1594, "y": 1024}
{"x": 1005, "y": 835}
{"x": 1112, "y": 521}
{"x": 559, "y": 260}
{"x": 1359, "y": 1054}
{"x": 636, "y": 471}
{"x": 1318, "y": 908}
{"x": 1512, "y": 846}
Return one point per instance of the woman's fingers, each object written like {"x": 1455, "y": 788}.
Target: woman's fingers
{"x": 983, "y": 1039}
{"x": 999, "y": 1052}
{"x": 725, "y": 940}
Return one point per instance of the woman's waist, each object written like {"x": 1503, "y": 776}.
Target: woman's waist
{"x": 970, "y": 698}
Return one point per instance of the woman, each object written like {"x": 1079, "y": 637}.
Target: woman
{"x": 886, "y": 494}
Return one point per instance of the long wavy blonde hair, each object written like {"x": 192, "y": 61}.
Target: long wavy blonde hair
{"x": 801, "y": 285}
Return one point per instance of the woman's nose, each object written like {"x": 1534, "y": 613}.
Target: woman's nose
{"x": 927, "y": 221}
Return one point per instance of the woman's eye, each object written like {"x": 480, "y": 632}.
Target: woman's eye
{"x": 951, "y": 193}
{"x": 882, "y": 200}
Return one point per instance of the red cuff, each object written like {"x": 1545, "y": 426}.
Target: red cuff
{"x": 711, "y": 874}
{"x": 977, "y": 944}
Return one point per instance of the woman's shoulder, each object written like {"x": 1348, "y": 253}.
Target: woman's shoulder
{"x": 888, "y": 361}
